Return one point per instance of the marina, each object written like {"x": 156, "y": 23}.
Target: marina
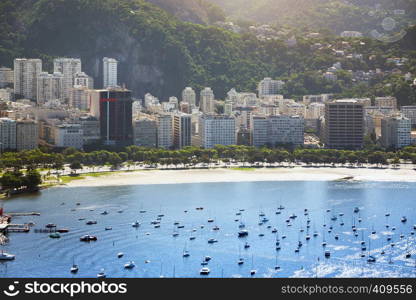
{"x": 244, "y": 229}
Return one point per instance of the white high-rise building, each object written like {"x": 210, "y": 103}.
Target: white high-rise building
{"x": 217, "y": 130}
{"x": 50, "y": 87}
{"x": 206, "y": 103}
{"x": 232, "y": 96}
{"x": 269, "y": 86}
{"x": 189, "y": 96}
{"x": 109, "y": 72}
{"x": 164, "y": 131}
{"x": 82, "y": 79}
{"x": 145, "y": 132}
{"x": 396, "y": 132}
{"x": 26, "y": 72}
{"x": 69, "y": 67}
{"x": 277, "y": 130}
{"x": 386, "y": 102}
{"x": 7, "y": 134}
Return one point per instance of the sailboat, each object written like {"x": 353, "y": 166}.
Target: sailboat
{"x": 185, "y": 252}
{"x": 252, "y": 271}
{"x": 240, "y": 259}
{"x": 6, "y": 256}
{"x": 371, "y": 258}
{"x": 74, "y": 268}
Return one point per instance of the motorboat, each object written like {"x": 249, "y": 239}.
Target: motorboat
{"x": 91, "y": 222}
{"x": 356, "y": 209}
{"x": 240, "y": 261}
{"x": 108, "y": 228}
{"x": 327, "y": 253}
{"x": 55, "y": 235}
{"x": 204, "y": 271}
{"x": 88, "y": 238}
{"x": 6, "y": 256}
{"x": 129, "y": 265}
{"x": 185, "y": 253}
{"x": 50, "y": 225}
{"x": 212, "y": 241}
{"x": 192, "y": 238}
{"x": 104, "y": 213}
{"x": 136, "y": 224}
{"x": 274, "y": 230}
{"x": 210, "y": 220}
{"x": 243, "y": 233}
{"x": 101, "y": 274}
{"x": 120, "y": 254}
{"x": 403, "y": 219}
{"x": 215, "y": 228}
{"x": 246, "y": 245}
{"x": 63, "y": 230}
{"x": 371, "y": 259}
{"x": 74, "y": 268}
{"x": 207, "y": 258}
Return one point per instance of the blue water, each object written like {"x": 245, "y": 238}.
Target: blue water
{"x": 37, "y": 255}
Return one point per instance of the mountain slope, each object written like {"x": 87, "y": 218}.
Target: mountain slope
{"x": 333, "y": 15}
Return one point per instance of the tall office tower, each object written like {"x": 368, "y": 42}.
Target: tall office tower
{"x": 145, "y": 132}
{"x": 79, "y": 97}
{"x": 113, "y": 107}
{"x": 277, "y": 130}
{"x": 182, "y": 130}
{"x": 7, "y": 134}
{"x": 189, "y": 96}
{"x": 164, "y": 131}
{"x": 6, "y": 77}
{"x": 206, "y": 103}
{"x": 50, "y": 87}
{"x": 69, "y": 67}
{"x": 27, "y": 135}
{"x": 82, "y": 79}
{"x": 396, "y": 132}
{"x": 269, "y": 86}
{"x": 26, "y": 73}
{"x": 344, "y": 124}
{"x": 109, "y": 72}
{"x": 217, "y": 130}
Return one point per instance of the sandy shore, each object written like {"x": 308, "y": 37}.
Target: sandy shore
{"x": 230, "y": 175}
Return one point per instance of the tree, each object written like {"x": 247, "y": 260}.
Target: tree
{"x": 76, "y": 165}
{"x": 32, "y": 179}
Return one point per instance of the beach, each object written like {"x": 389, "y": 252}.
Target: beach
{"x": 141, "y": 177}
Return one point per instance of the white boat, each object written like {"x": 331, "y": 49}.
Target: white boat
{"x": 204, "y": 271}
{"x": 101, "y": 274}
{"x": 129, "y": 265}
{"x": 74, "y": 269}
{"x": 6, "y": 256}
{"x": 135, "y": 224}
{"x": 120, "y": 254}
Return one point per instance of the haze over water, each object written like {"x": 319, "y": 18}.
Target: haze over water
{"x": 37, "y": 255}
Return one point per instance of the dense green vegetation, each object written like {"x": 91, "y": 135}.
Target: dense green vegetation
{"x": 16, "y": 180}
{"x": 14, "y": 162}
{"x": 333, "y": 15}
{"x": 160, "y": 54}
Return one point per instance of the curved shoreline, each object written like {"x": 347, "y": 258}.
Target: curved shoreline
{"x": 145, "y": 177}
